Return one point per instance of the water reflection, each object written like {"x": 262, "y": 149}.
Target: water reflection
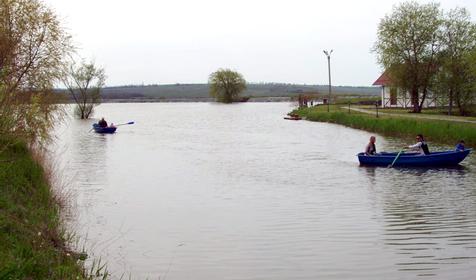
{"x": 429, "y": 218}
{"x": 83, "y": 160}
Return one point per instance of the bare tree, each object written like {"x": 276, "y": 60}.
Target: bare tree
{"x": 84, "y": 82}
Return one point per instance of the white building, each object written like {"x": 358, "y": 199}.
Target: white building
{"x": 397, "y": 98}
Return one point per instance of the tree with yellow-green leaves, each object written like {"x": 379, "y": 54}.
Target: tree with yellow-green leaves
{"x": 424, "y": 49}
{"x": 456, "y": 79}
{"x": 226, "y": 85}
{"x": 407, "y": 47}
{"x": 33, "y": 48}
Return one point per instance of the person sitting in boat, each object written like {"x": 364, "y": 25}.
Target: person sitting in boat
{"x": 102, "y": 123}
{"x": 420, "y": 146}
{"x": 371, "y": 150}
{"x": 112, "y": 125}
{"x": 460, "y": 146}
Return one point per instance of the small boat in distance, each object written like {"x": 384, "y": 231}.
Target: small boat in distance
{"x": 293, "y": 117}
{"x": 445, "y": 158}
{"x": 107, "y": 129}
{"x": 242, "y": 99}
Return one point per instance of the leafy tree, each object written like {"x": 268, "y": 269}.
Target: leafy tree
{"x": 407, "y": 46}
{"x": 456, "y": 80}
{"x": 33, "y": 46}
{"x": 84, "y": 82}
{"x": 226, "y": 85}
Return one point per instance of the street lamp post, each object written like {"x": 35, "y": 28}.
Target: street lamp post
{"x": 328, "y": 54}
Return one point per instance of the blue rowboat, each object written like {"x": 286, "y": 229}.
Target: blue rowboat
{"x": 99, "y": 129}
{"x": 446, "y": 158}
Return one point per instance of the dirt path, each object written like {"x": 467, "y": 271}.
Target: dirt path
{"x": 415, "y": 116}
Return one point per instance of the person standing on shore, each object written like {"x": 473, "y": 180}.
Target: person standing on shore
{"x": 370, "y": 149}
{"x": 420, "y": 146}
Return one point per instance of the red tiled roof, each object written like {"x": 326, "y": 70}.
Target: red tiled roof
{"x": 383, "y": 80}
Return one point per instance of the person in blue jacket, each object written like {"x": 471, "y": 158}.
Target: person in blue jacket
{"x": 460, "y": 146}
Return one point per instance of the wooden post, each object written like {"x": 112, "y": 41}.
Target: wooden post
{"x": 376, "y": 109}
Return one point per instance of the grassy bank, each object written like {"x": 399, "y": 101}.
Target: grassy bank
{"x": 32, "y": 242}
{"x": 433, "y": 112}
{"x": 444, "y": 132}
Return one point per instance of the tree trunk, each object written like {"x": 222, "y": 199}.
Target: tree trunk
{"x": 460, "y": 105}
{"x": 423, "y": 97}
{"x": 450, "y": 101}
{"x": 414, "y": 96}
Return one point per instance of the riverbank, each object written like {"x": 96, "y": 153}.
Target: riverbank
{"x": 33, "y": 242}
{"x": 439, "y": 131}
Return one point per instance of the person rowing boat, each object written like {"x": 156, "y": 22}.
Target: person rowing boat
{"x": 420, "y": 146}
{"x": 102, "y": 123}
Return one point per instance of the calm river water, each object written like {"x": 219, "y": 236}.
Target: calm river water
{"x": 210, "y": 191}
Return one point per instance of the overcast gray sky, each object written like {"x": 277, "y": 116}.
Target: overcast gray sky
{"x": 183, "y": 41}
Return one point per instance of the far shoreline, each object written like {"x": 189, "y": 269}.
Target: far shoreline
{"x": 195, "y": 100}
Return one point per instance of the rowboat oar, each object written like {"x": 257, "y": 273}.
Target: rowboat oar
{"x": 395, "y": 160}
{"x": 115, "y": 125}
{"x": 124, "y": 124}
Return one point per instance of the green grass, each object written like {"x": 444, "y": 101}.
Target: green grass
{"x": 344, "y": 100}
{"x": 444, "y": 132}
{"x": 441, "y": 111}
{"x": 32, "y": 242}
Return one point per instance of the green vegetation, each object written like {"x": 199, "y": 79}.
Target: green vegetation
{"x": 436, "y": 111}
{"x": 33, "y": 48}
{"x": 84, "y": 83}
{"x": 424, "y": 49}
{"x": 226, "y": 85}
{"x": 445, "y": 132}
{"x": 32, "y": 242}
{"x": 407, "y": 45}
{"x": 352, "y": 99}
{"x": 202, "y": 91}
{"x": 456, "y": 80}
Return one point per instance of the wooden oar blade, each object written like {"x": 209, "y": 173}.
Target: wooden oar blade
{"x": 395, "y": 160}
{"x": 125, "y": 123}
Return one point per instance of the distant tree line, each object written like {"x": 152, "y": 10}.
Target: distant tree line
{"x": 425, "y": 49}
{"x": 201, "y": 91}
